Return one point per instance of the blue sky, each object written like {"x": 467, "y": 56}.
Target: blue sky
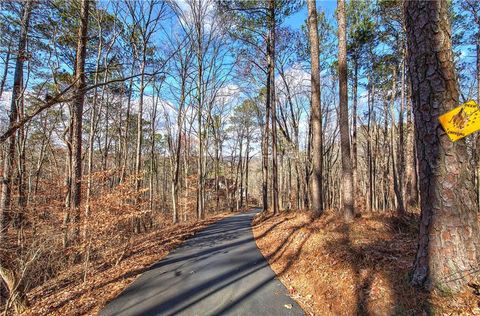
{"x": 297, "y": 19}
{"x": 328, "y": 7}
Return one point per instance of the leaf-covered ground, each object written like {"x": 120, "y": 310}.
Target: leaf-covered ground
{"x": 363, "y": 268}
{"x": 67, "y": 294}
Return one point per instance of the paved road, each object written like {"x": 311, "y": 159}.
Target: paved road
{"x": 220, "y": 271}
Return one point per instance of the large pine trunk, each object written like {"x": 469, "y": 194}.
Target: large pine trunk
{"x": 347, "y": 172}
{"x": 266, "y": 131}
{"x": 271, "y": 61}
{"x": 449, "y": 233}
{"x": 316, "y": 112}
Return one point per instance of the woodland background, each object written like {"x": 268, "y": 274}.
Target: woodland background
{"x": 119, "y": 118}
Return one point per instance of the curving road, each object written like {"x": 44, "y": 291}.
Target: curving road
{"x": 220, "y": 271}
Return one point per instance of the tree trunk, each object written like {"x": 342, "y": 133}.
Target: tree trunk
{"x": 217, "y": 167}
{"x": 153, "y": 165}
{"x": 18, "y": 220}
{"x": 138, "y": 152}
{"x": 91, "y": 137}
{"x": 308, "y": 165}
{"x": 448, "y": 248}
{"x": 478, "y": 61}
{"x": 401, "y": 131}
{"x": 477, "y": 143}
{"x": 127, "y": 126}
{"x": 265, "y": 136}
{"x": 347, "y": 172}
{"x": 200, "y": 198}
{"x": 354, "y": 127}
{"x": 410, "y": 185}
{"x": 178, "y": 147}
{"x": 271, "y": 95}
{"x": 242, "y": 169}
{"x": 316, "y": 112}
{"x": 238, "y": 186}
{"x": 20, "y": 299}
{"x": 78, "y": 101}
{"x": 247, "y": 159}
{"x": 17, "y": 95}
{"x": 396, "y": 170}
{"x": 369, "y": 147}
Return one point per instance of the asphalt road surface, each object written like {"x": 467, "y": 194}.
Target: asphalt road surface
{"x": 220, "y": 271}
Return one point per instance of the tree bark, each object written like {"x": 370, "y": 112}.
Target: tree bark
{"x": 199, "y": 52}
{"x": 138, "y": 152}
{"x": 17, "y": 95}
{"x": 178, "y": 147}
{"x": 401, "y": 131}
{"x": 448, "y": 248}
{"x": 347, "y": 172}
{"x": 91, "y": 135}
{"x": 271, "y": 60}
{"x": 127, "y": 127}
{"x": 265, "y": 136}
{"x": 247, "y": 160}
{"x": 411, "y": 184}
{"x": 354, "y": 126}
{"x": 20, "y": 299}
{"x": 396, "y": 170}
{"x": 79, "y": 92}
{"x": 19, "y": 216}
{"x": 316, "y": 112}
{"x": 478, "y": 102}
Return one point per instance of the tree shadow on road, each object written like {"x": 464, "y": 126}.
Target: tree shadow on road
{"x": 244, "y": 269}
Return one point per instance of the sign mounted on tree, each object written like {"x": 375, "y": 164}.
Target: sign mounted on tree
{"x": 461, "y": 121}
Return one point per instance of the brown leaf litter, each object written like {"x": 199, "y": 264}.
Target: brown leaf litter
{"x": 332, "y": 268}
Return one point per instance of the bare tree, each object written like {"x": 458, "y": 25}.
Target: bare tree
{"x": 77, "y": 118}
{"x": 17, "y": 96}
{"x": 7, "y": 274}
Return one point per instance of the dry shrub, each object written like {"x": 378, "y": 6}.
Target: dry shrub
{"x": 117, "y": 239}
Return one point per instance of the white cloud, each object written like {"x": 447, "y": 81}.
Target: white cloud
{"x": 5, "y": 101}
{"x": 186, "y": 13}
{"x": 228, "y": 94}
{"x": 298, "y": 81}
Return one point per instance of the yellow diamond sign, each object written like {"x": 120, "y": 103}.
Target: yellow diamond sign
{"x": 461, "y": 121}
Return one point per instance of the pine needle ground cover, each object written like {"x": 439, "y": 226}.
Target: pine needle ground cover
{"x": 332, "y": 268}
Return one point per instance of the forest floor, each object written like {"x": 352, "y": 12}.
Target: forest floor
{"x": 67, "y": 294}
{"x": 332, "y": 268}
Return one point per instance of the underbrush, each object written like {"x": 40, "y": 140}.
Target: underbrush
{"x": 362, "y": 268}
{"x": 68, "y": 294}
{"x": 59, "y": 261}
